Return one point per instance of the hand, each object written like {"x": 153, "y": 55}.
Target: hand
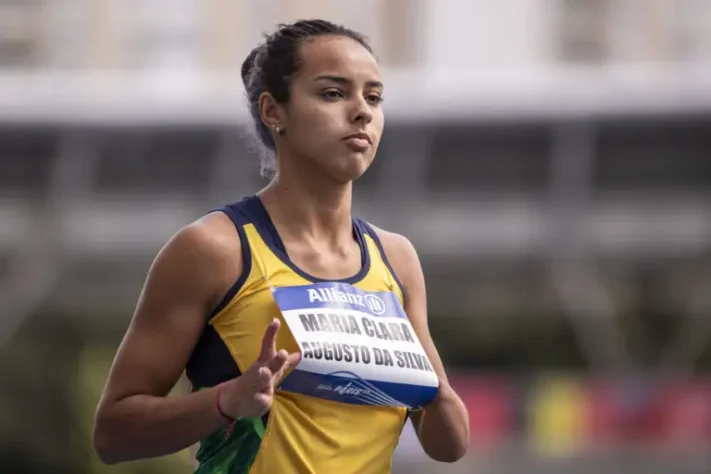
{"x": 252, "y": 394}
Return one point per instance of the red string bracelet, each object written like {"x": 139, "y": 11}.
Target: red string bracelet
{"x": 228, "y": 418}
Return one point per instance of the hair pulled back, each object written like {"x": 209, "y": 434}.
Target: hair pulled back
{"x": 271, "y": 65}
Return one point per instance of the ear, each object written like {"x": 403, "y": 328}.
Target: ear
{"x": 272, "y": 113}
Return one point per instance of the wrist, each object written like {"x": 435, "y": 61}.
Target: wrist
{"x": 227, "y": 418}
{"x": 219, "y": 405}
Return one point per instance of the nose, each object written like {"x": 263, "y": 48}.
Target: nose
{"x": 361, "y": 111}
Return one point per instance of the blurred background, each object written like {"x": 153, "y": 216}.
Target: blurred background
{"x": 550, "y": 159}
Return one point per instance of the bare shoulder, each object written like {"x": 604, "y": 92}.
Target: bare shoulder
{"x": 203, "y": 254}
{"x": 212, "y": 237}
{"x": 400, "y": 252}
{"x": 215, "y": 234}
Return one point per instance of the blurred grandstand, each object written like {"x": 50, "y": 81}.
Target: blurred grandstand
{"x": 551, "y": 161}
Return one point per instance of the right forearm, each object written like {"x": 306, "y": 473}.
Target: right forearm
{"x": 143, "y": 426}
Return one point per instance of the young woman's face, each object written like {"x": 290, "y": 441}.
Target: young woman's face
{"x": 334, "y": 117}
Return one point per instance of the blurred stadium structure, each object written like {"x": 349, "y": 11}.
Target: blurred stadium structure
{"x": 550, "y": 159}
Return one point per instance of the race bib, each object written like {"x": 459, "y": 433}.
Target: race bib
{"x": 356, "y": 347}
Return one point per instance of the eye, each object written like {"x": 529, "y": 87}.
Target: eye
{"x": 332, "y": 94}
{"x": 374, "y": 99}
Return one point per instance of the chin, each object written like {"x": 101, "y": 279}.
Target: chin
{"x": 350, "y": 168}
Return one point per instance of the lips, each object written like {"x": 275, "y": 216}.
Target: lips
{"x": 360, "y": 136}
{"x": 358, "y": 142}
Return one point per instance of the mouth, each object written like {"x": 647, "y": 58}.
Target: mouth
{"x": 359, "y": 136}
{"x": 358, "y": 142}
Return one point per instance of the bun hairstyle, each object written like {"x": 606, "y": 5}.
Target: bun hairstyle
{"x": 270, "y": 66}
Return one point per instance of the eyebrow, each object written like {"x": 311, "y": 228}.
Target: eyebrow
{"x": 345, "y": 80}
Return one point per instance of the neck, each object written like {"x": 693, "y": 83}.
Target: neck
{"x": 305, "y": 203}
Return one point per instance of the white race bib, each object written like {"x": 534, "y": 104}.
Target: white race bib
{"x": 356, "y": 347}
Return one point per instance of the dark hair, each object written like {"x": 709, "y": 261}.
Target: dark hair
{"x": 270, "y": 66}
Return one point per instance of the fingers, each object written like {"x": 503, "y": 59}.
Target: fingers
{"x": 291, "y": 361}
{"x": 265, "y": 377}
{"x": 283, "y": 360}
{"x": 271, "y": 373}
{"x": 266, "y": 381}
{"x": 278, "y": 361}
{"x": 269, "y": 341}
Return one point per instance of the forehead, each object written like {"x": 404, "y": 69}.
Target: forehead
{"x": 337, "y": 55}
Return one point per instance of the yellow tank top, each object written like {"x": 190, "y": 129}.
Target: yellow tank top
{"x": 300, "y": 434}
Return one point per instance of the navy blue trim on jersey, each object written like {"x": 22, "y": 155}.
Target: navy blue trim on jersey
{"x": 374, "y": 235}
{"x": 211, "y": 362}
{"x": 232, "y": 211}
{"x": 265, "y": 226}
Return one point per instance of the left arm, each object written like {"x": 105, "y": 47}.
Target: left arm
{"x": 442, "y": 426}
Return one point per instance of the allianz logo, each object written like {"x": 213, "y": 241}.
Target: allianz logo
{"x": 330, "y": 295}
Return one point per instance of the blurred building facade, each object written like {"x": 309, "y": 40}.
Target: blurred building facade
{"x": 550, "y": 159}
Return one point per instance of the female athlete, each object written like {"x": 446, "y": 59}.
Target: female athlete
{"x": 209, "y": 307}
